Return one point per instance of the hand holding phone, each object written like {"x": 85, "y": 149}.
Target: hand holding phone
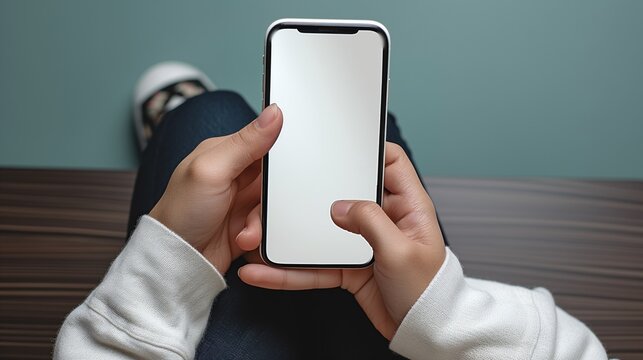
{"x": 406, "y": 238}
{"x": 213, "y": 189}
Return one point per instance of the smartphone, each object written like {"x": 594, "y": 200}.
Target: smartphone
{"x": 330, "y": 80}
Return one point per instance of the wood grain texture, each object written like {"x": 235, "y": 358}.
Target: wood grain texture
{"x": 583, "y": 240}
{"x": 59, "y": 231}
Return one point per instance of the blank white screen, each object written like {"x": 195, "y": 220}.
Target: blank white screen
{"x": 328, "y": 87}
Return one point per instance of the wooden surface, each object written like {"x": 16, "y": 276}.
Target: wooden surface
{"x": 583, "y": 240}
{"x": 59, "y": 231}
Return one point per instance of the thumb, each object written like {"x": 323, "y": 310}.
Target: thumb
{"x": 369, "y": 220}
{"x": 251, "y": 143}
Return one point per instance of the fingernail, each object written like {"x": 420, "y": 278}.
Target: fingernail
{"x": 341, "y": 207}
{"x": 242, "y": 232}
{"x": 267, "y": 116}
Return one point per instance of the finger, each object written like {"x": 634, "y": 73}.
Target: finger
{"x": 247, "y": 198}
{"x": 244, "y": 202}
{"x": 368, "y": 219}
{"x": 400, "y": 176}
{"x": 405, "y": 195}
{"x": 249, "y": 175}
{"x": 243, "y": 148}
{"x": 286, "y": 279}
{"x": 250, "y": 237}
{"x": 397, "y": 206}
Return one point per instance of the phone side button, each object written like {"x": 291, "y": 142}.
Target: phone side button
{"x": 263, "y": 90}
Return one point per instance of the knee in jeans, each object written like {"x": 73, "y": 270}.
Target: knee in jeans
{"x": 219, "y": 101}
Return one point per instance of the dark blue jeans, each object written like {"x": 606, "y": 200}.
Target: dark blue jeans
{"x": 248, "y": 322}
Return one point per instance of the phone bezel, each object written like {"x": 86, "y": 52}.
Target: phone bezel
{"x": 324, "y": 26}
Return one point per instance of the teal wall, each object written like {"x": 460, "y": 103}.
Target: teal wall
{"x": 481, "y": 88}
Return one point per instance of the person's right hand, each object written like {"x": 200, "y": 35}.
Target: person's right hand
{"x": 405, "y": 236}
{"x": 212, "y": 191}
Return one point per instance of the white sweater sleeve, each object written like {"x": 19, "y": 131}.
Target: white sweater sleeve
{"x": 463, "y": 318}
{"x": 153, "y": 303}
{"x": 155, "y": 300}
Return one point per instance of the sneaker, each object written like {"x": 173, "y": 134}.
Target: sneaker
{"x": 162, "y": 88}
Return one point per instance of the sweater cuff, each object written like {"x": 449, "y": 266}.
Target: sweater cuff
{"x": 458, "y": 318}
{"x": 432, "y": 309}
{"x": 159, "y": 289}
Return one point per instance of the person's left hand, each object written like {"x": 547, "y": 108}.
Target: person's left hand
{"x": 407, "y": 244}
{"x": 212, "y": 191}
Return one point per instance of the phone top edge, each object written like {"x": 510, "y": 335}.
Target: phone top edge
{"x": 329, "y": 22}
